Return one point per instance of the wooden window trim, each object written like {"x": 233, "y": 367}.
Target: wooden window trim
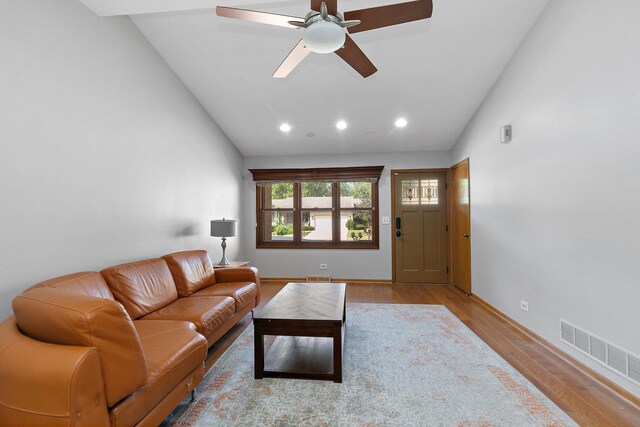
{"x": 318, "y": 174}
{"x": 333, "y": 175}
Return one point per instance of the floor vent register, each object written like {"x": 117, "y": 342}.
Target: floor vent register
{"x": 606, "y": 353}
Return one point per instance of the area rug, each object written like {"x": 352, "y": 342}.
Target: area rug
{"x": 404, "y": 365}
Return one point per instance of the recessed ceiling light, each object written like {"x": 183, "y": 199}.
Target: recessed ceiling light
{"x": 285, "y": 127}
{"x": 400, "y": 123}
{"x": 341, "y": 125}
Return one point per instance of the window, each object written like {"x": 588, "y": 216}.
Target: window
{"x": 317, "y": 208}
{"x": 356, "y": 210}
{"x": 420, "y": 192}
{"x": 278, "y": 211}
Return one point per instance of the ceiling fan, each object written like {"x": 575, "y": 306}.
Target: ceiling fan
{"x": 325, "y": 29}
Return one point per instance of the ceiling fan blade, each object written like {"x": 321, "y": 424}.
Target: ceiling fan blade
{"x": 298, "y": 24}
{"x": 255, "y": 16}
{"x": 393, "y": 14}
{"x": 352, "y": 55}
{"x": 349, "y": 24}
{"x": 292, "y": 60}
{"x": 332, "y": 6}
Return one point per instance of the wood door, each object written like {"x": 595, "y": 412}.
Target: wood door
{"x": 420, "y": 227}
{"x": 460, "y": 227}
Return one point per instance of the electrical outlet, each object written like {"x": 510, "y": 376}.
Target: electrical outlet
{"x": 323, "y": 266}
{"x": 385, "y": 220}
{"x": 524, "y": 305}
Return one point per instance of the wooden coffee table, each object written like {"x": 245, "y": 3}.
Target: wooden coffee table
{"x": 308, "y": 320}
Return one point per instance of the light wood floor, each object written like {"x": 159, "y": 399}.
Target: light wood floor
{"x": 587, "y": 401}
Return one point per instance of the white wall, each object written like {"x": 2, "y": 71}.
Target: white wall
{"x": 554, "y": 213}
{"x": 346, "y": 264}
{"x": 105, "y": 157}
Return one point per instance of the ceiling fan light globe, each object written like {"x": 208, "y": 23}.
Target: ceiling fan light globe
{"x": 324, "y": 37}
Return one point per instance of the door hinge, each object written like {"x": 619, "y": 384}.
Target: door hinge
{"x": 446, "y": 227}
{"x": 447, "y": 269}
{"x": 446, "y": 186}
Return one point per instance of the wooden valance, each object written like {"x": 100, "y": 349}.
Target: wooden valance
{"x": 361, "y": 173}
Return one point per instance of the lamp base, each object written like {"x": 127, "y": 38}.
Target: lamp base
{"x": 224, "y": 261}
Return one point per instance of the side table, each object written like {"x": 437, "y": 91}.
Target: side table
{"x": 232, "y": 264}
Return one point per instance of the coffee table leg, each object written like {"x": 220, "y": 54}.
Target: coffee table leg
{"x": 344, "y": 312}
{"x": 258, "y": 346}
{"x": 337, "y": 355}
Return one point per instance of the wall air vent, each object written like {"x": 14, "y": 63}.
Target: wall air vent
{"x": 617, "y": 359}
{"x": 609, "y": 355}
{"x": 598, "y": 349}
{"x": 319, "y": 279}
{"x": 582, "y": 340}
{"x": 568, "y": 332}
{"x": 634, "y": 368}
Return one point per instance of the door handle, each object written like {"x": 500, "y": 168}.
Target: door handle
{"x": 465, "y": 235}
{"x": 398, "y": 233}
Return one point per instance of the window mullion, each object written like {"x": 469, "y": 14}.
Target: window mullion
{"x": 297, "y": 213}
{"x": 335, "y": 212}
{"x": 259, "y": 215}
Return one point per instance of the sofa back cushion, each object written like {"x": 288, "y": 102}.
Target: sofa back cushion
{"x": 142, "y": 287}
{"x": 62, "y": 317}
{"x": 191, "y": 270}
{"x": 89, "y": 283}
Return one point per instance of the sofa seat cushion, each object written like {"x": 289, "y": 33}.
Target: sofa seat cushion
{"x": 206, "y": 313}
{"x": 173, "y": 351}
{"x": 243, "y": 293}
{"x": 147, "y": 328}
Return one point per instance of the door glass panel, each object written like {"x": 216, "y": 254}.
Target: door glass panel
{"x": 356, "y": 225}
{"x": 463, "y": 198}
{"x": 278, "y": 226}
{"x": 316, "y": 195}
{"x": 410, "y": 195}
{"x": 429, "y": 192}
{"x": 317, "y": 225}
{"x": 278, "y": 195}
{"x": 355, "y": 195}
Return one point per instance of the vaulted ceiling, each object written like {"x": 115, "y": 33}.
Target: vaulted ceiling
{"x": 435, "y": 72}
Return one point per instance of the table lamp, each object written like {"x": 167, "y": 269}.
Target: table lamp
{"x": 224, "y": 228}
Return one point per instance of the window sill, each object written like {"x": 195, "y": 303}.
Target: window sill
{"x": 317, "y": 245}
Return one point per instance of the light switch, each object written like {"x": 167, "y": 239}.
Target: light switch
{"x": 385, "y": 220}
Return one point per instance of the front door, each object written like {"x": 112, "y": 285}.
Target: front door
{"x": 420, "y": 227}
{"x": 460, "y": 227}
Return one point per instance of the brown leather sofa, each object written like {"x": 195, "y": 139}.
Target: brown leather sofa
{"x": 121, "y": 347}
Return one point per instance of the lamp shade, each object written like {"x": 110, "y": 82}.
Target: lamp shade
{"x": 224, "y": 227}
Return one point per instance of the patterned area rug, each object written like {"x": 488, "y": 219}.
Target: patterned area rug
{"x": 404, "y": 365}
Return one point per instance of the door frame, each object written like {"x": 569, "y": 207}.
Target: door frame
{"x": 447, "y": 178}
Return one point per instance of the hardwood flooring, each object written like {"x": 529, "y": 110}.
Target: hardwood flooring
{"x": 585, "y": 399}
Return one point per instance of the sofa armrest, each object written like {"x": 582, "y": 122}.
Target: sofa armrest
{"x": 49, "y": 384}
{"x": 66, "y": 318}
{"x": 239, "y": 274}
